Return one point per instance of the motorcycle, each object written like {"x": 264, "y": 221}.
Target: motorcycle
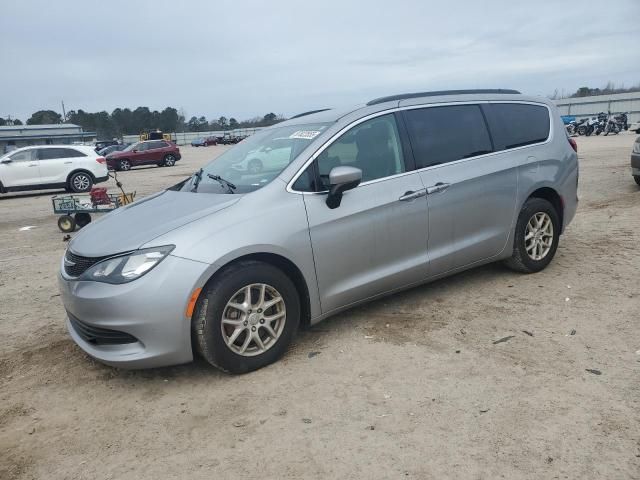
{"x": 622, "y": 121}
{"x": 573, "y": 127}
{"x": 588, "y": 127}
{"x": 601, "y": 122}
{"x": 611, "y": 126}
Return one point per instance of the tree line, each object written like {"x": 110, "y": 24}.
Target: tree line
{"x": 608, "y": 89}
{"x": 124, "y": 121}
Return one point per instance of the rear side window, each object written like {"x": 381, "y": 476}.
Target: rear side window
{"x": 516, "y": 124}
{"x": 53, "y": 153}
{"x": 446, "y": 134}
{"x": 157, "y": 144}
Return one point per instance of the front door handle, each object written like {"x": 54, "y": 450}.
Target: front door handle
{"x": 437, "y": 188}
{"x": 412, "y": 195}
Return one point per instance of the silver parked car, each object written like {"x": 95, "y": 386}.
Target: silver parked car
{"x": 398, "y": 192}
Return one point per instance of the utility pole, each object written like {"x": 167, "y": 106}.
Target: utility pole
{"x": 64, "y": 114}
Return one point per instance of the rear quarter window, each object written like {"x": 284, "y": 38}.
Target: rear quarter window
{"x": 516, "y": 125}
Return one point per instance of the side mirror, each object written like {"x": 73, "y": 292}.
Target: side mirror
{"x": 342, "y": 179}
{"x": 135, "y": 151}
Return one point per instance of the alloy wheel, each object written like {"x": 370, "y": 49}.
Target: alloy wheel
{"x": 538, "y": 236}
{"x": 253, "y": 319}
{"x": 169, "y": 160}
{"x": 125, "y": 165}
{"x": 81, "y": 182}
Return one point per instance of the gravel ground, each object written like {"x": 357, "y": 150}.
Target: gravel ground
{"x": 411, "y": 386}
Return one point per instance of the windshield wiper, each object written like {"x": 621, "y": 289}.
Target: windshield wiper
{"x": 226, "y": 183}
{"x": 196, "y": 181}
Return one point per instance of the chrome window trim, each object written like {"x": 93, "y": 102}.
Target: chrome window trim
{"x": 325, "y": 145}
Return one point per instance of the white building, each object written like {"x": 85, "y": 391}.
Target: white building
{"x": 16, "y": 136}
{"x": 590, "y": 106}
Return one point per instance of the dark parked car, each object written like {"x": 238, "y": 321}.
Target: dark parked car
{"x": 152, "y": 152}
{"x": 113, "y": 148}
{"x": 228, "y": 140}
{"x": 204, "y": 142}
{"x": 104, "y": 144}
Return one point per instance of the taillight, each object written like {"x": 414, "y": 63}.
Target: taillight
{"x": 101, "y": 160}
{"x": 573, "y": 144}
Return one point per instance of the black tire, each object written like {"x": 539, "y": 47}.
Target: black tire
{"x": 66, "y": 223}
{"x": 254, "y": 166}
{"x": 169, "y": 160}
{"x": 124, "y": 165}
{"x": 207, "y": 318}
{"x": 520, "y": 260}
{"x": 82, "y": 219}
{"x": 80, "y": 182}
{"x": 637, "y": 179}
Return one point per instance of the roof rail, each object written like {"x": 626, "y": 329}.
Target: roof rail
{"x": 304, "y": 114}
{"x": 404, "y": 96}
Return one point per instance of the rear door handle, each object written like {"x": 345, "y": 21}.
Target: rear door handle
{"x": 412, "y": 195}
{"x": 437, "y": 188}
{"x": 68, "y": 162}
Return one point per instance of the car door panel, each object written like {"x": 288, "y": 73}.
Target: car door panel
{"x": 56, "y": 164}
{"x": 470, "y": 219}
{"x": 472, "y": 189}
{"x": 372, "y": 243}
{"x": 23, "y": 170}
{"x": 375, "y": 240}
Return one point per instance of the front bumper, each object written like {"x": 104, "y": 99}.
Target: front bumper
{"x": 147, "y": 313}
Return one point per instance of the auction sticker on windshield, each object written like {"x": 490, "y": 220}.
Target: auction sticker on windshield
{"x": 305, "y": 134}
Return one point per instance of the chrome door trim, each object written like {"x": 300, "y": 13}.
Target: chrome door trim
{"x": 325, "y": 145}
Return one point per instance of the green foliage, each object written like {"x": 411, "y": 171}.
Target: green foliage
{"x": 44, "y": 117}
{"x": 608, "y": 89}
{"x": 123, "y": 121}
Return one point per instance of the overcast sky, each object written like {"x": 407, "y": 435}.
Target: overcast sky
{"x": 246, "y": 58}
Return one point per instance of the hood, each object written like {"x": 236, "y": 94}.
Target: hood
{"x": 128, "y": 228}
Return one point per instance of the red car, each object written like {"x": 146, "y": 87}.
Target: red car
{"x": 152, "y": 152}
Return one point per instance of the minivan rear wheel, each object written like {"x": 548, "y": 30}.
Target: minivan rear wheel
{"x": 536, "y": 236}
{"x": 246, "y": 317}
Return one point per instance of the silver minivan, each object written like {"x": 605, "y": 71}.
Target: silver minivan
{"x": 372, "y": 200}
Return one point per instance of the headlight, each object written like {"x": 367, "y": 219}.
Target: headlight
{"x": 636, "y": 147}
{"x": 127, "y": 268}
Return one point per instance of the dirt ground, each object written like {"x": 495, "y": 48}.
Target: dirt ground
{"x": 411, "y": 386}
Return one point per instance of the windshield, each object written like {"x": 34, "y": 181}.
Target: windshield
{"x": 131, "y": 147}
{"x": 255, "y": 161}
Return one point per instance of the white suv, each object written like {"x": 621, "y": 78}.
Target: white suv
{"x": 75, "y": 168}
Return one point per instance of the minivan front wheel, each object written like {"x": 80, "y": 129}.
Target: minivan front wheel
{"x": 536, "y": 236}
{"x": 246, "y": 317}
